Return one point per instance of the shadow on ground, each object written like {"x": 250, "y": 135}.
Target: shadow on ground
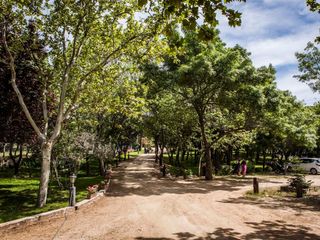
{"x": 277, "y": 230}
{"x": 311, "y": 203}
{"x": 141, "y": 178}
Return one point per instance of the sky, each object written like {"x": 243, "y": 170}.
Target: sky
{"x": 273, "y": 30}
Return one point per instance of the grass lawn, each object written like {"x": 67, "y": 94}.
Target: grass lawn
{"x": 18, "y": 196}
{"x": 134, "y": 154}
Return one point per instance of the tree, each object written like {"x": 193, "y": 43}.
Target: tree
{"x": 83, "y": 40}
{"x": 72, "y": 65}
{"x": 313, "y": 5}
{"x": 309, "y": 66}
{"x": 16, "y": 129}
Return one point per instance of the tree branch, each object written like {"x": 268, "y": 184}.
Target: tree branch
{"x": 15, "y": 87}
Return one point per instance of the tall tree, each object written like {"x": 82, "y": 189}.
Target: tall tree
{"x": 309, "y": 66}
{"x": 83, "y": 40}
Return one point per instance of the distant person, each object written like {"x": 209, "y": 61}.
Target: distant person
{"x": 243, "y": 168}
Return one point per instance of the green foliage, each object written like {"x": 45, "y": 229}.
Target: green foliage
{"x": 313, "y": 5}
{"x": 299, "y": 181}
{"x": 309, "y": 66}
{"x": 225, "y": 170}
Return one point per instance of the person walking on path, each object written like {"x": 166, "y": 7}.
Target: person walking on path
{"x": 243, "y": 168}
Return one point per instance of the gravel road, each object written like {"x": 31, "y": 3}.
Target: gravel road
{"x": 142, "y": 206}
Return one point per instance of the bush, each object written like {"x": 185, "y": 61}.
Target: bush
{"x": 299, "y": 184}
{"x": 250, "y": 167}
{"x": 225, "y": 170}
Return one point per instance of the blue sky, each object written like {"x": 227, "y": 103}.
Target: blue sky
{"x": 273, "y": 30}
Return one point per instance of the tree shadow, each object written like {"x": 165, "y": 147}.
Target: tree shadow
{"x": 142, "y": 178}
{"x": 277, "y": 230}
{"x": 311, "y": 203}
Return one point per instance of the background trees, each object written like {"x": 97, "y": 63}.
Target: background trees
{"x": 226, "y": 106}
{"x": 309, "y": 66}
{"x": 73, "y": 68}
{"x": 83, "y": 40}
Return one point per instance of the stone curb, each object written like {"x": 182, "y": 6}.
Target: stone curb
{"x": 54, "y": 214}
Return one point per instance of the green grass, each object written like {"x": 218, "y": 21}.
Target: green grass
{"x": 134, "y": 154}
{"x": 18, "y": 196}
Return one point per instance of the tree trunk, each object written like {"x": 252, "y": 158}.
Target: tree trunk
{"x": 46, "y": 150}
{"x": 170, "y": 153}
{"x": 264, "y": 161}
{"x": 258, "y": 156}
{"x": 206, "y": 148}
{"x": 4, "y": 150}
{"x": 101, "y": 166}
{"x": 187, "y": 157}
{"x": 177, "y": 157}
{"x": 18, "y": 162}
{"x": 87, "y": 166}
{"x": 56, "y": 172}
{"x": 161, "y": 155}
{"x": 156, "y": 144}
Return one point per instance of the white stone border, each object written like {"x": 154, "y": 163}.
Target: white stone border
{"x": 57, "y": 213}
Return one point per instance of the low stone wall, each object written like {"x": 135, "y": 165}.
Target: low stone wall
{"x": 54, "y": 214}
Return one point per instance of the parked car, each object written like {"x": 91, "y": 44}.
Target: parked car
{"x": 311, "y": 165}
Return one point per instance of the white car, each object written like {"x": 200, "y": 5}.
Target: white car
{"x": 311, "y": 165}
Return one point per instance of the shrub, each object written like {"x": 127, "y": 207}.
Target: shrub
{"x": 225, "y": 170}
{"x": 299, "y": 184}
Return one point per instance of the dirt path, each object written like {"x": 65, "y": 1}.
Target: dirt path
{"x": 141, "y": 206}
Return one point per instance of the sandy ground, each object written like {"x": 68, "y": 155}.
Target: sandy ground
{"x": 142, "y": 206}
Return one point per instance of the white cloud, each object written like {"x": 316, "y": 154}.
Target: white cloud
{"x": 286, "y": 81}
{"x": 281, "y": 50}
{"x": 273, "y": 30}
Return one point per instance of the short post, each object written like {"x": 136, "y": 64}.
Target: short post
{"x": 255, "y": 186}
{"x": 299, "y": 191}
{"x": 72, "y": 190}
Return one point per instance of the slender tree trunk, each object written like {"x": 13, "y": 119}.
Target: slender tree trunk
{"x": 272, "y": 155}
{"x": 183, "y": 156}
{"x": 87, "y": 166}
{"x": 161, "y": 155}
{"x": 264, "y": 160}
{"x": 258, "y": 156}
{"x": 177, "y": 157}
{"x": 156, "y": 143}
{"x": 4, "y": 150}
{"x": 46, "y": 150}
{"x": 206, "y": 148}
{"x": 187, "y": 157}
{"x": 101, "y": 166}
{"x": 170, "y": 153}
{"x": 17, "y": 162}
{"x": 56, "y": 172}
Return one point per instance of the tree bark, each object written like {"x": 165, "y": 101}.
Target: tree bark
{"x": 177, "y": 157}
{"x": 264, "y": 161}
{"x": 16, "y": 160}
{"x": 101, "y": 166}
{"x": 156, "y": 143}
{"x": 46, "y": 150}
{"x": 87, "y": 166}
{"x": 206, "y": 147}
{"x": 161, "y": 155}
